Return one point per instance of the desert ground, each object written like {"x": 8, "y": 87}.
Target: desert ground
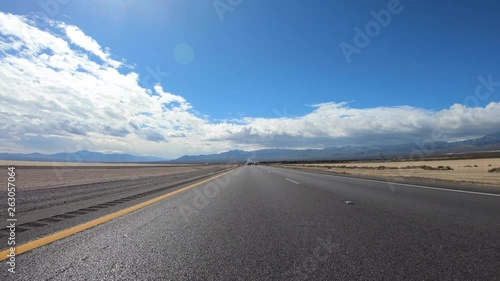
{"x": 76, "y": 164}
{"x": 38, "y": 175}
{"x": 473, "y": 171}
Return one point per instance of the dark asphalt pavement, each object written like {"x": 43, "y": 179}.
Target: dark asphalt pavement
{"x": 264, "y": 223}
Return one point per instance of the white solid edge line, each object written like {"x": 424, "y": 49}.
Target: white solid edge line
{"x": 410, "y": 185}
{"x": 422, "y": 186}
{"x": 295, "y": 182}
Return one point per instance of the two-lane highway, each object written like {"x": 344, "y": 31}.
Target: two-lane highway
{"x": 265, "y": 223}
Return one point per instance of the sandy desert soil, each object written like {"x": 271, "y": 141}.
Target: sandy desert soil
{"x": 465, "y": 171}
{"x": 37, "y": 175}
{"x": 73, "y": 164}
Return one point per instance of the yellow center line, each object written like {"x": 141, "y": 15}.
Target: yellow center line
{"x": 73, "y": 230}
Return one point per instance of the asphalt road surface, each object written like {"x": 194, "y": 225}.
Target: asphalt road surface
{"x": 264, "y": 223}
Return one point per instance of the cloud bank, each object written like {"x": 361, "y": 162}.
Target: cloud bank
{"x": 61, "y": 91}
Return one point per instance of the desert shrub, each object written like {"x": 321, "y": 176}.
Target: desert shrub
{"x": 445, "y": 168}
{"x": 381, "y": 168}
{"x": 467, "y": 166}
{"x": 489, "y": 165}
{"x": 475, "y": 166}
{"x": 494, "y": 170}
{"x": 430, "y": 168}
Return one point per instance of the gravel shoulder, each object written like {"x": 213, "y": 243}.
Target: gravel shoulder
{"x": 54, "y": 175}
{"x": 52, "y": 206}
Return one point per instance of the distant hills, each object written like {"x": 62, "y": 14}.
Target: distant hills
{"x": 80, "y": 156}
{"x": 425, "y": 149}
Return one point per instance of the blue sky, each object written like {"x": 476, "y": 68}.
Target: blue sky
{"x": 243, "y": 70}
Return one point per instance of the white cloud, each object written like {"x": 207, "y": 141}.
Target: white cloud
{"x": 61, "y": 91}
{"x": 77, "y": 37}
{"x": 168, "y": 99}
{"x": 332, "y": 124}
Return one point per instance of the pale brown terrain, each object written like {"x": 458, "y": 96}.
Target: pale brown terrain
{"x": 473, "y": 171}
{"x": 37, "y": 175}
{"x": 74, "y": 164}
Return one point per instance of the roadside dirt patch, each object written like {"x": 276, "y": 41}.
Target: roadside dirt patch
{"x": 475, "y": 171}
{"x": 36, "y": 177}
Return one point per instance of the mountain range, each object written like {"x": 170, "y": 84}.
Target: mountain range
{"x": 83, "y": 156}
{"x": 425, "y": 149}
{"x": 414, "y": 150}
